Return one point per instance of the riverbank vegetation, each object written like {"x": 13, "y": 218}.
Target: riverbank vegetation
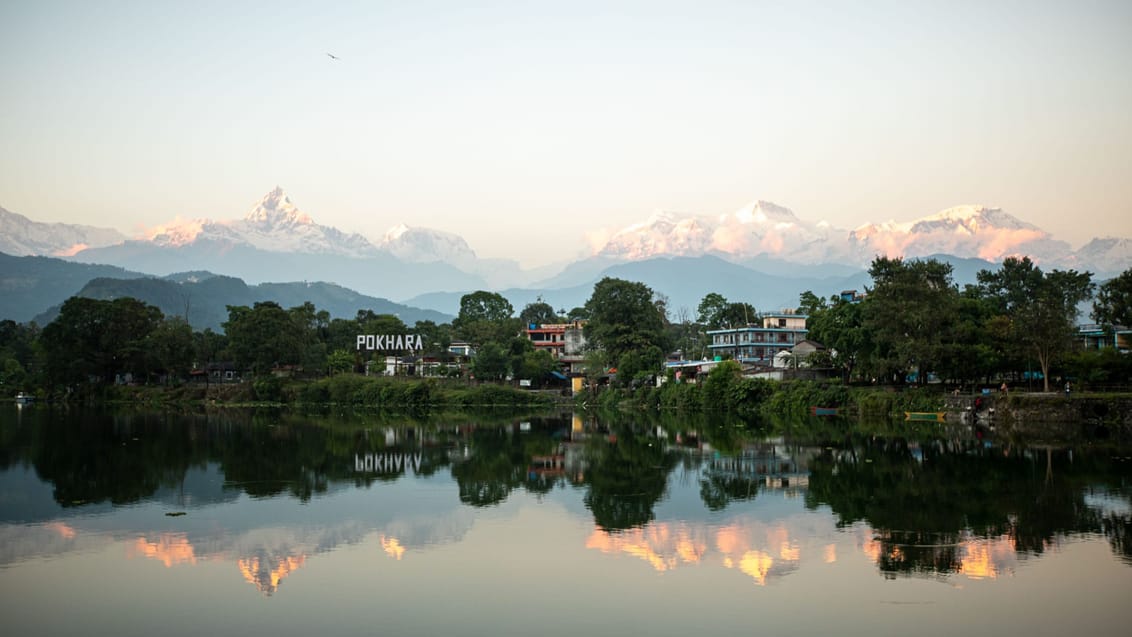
{"x": 899, "y": 345}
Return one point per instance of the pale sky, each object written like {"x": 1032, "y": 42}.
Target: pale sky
{"x": 522, "y": 126}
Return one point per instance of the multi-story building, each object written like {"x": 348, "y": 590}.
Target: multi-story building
{"x": 566, "y": 342}
{"x": 758, "y": 345}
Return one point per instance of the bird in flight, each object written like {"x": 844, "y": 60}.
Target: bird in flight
{"x": 333, "y": 57}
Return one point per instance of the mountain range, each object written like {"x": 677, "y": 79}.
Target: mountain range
{"x": 33, "y": 289}
{"x": 762, "y": 253}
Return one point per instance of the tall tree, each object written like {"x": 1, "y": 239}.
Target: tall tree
{"x": 485, "y": 316}
{"x": 539, "y": 313}
{"x": 627, "y": 326}
{"x": 263, "y": 336}
{"x": 840, "y": 327}
{"x": 810, "y": 304}
{"x": 738, "y": 315}
{"x": 908, "y": 313}
{"x": 484, "y": 306}
{"x": 98, "y": 338}
{"x": 710, "y": 310}
{"x": 170, "y": 348}
{"x": 1113, "y": 305}
{"x": 1041, "y": 308}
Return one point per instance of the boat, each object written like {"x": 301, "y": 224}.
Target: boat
{"x": 23, "y": 399}
{"x": 926, "y": 416}
{"x": 825, "y": 411}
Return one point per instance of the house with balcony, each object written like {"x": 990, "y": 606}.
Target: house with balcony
{"x": 757, "y": 344}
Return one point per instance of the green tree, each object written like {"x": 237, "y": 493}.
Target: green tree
{"x": 263, "y": 336}
{"x": 208, "y": 346}
{"x": 710, "y": 310}
{"x": 94, "y": 338}
{"x": 1113, "y": 305}
{"x": 435, "y": 338}
{"x": 810, "y": 304}
{"x": 534, "y": 365}
{"x": 170, "y": 348}
{"x": 738, "y": 315}
{"x": 340, "y": 361}
{"x": 490, "y": 362}
{"x": 539, "y": 313}
{"x": 909, "y": 312}
{"x": 1041, "y": 307}
{"x": 840, "y": 327}
{"x": 484, "y": 306}
{"x": 485, "y": 316}
{"x": 626, "y": 325}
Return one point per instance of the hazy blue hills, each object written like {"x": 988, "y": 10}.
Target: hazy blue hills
{"x": 33, "y": 288}
{"x": 381, "y": 275}
{"x": 686, "y": 280}
{"x": 204, "y": 301}
{"x": 30, "y": 285}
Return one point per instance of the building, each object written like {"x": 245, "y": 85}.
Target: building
{"x": 758, "y": 345}
{"x": 1094, "y": 336}
{"x": 566, "y": 342}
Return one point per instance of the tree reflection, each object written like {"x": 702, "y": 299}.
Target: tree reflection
{"x": 927, "y": 502}
{"x": 628, "y": 475}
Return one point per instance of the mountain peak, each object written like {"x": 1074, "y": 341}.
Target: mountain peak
{"x": 760, "y": 211}
{"x": 276, "y": 209}
{"x": 396, "y": 232}
{"x": 425, "y": 245}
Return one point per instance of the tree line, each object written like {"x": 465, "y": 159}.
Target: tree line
{"x": 912, "y": 323}
{"x": 1016, "y": 323}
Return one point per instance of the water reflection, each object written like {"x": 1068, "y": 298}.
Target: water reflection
{"x": 269, "y": 493}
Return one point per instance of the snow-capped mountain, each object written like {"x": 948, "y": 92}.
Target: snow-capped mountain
{"x": 758, "y": 228}
{"x": 1107, "y": 256}
{"x": 422, "y": 245}
{"x": 764, "y": 229}
{"x": 275, "y": 224}
{"x": 20, "y": 236}
{"x": 426, "y": 245}
{"x": 963, "y": 231}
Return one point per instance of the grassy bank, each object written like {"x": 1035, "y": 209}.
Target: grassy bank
{"x": 402, "y": 394}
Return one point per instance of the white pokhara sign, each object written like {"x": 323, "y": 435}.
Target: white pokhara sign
{"x": 380, "y": 342}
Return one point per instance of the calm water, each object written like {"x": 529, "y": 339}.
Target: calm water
{"x": 274, "y": 524}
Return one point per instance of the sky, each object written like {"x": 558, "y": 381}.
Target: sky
{"x": 527, "y": 126}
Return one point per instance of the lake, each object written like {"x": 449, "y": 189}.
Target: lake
{"x": 277, "y": 523}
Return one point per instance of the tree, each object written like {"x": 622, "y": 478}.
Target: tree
{"x": 485, "y": 316}
{"x": 263, "y": 336}
{"x": 1113, "y": 305}
{"x": 539, "y": 313}
{"x": 908, "y": 313}
{"x": 435, "y": 338}
{"x": 627, "y": 326}
{"x": 95, "y": 338}
{"x": 1041, "y": 308}
{"x": 490, "y": 362}
{"x": 737, "y": 315}
{"x": 484, "y": 306}
{"x": 339, "y": 361}
{"x": 711, "y": 309}
{"x": 810, "y": 304}
{"x": 534, "y": 365}
{"x": 170, "y": 348}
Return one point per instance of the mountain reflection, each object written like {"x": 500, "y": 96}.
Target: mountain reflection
{"x": 669, "y": 495}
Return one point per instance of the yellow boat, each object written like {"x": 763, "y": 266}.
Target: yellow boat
{"x": 926, "y": 416}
